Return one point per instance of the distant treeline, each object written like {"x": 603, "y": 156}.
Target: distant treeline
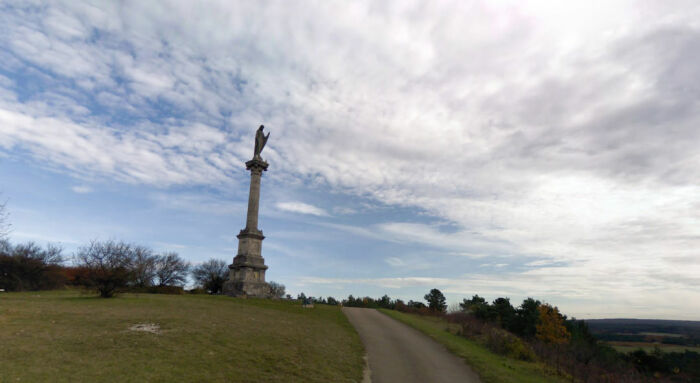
{"x": 691, "y": 341}
{"x": 624, "y": 325}
{"x": 675, "y": 332}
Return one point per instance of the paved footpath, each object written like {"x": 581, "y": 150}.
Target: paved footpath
{"x": 399, "y": 353}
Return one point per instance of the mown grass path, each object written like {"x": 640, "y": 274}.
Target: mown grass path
{"x": 63, "y": 336}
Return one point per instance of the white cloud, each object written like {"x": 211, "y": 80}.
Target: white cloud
{"x": 564, "y": 131}
{"x": 341, "y": 210}
{"x": 135, "y": 157}
{"x": 302, "y": 208}
{"x": 81, "y": 189}
{"x": 493, "y": 265}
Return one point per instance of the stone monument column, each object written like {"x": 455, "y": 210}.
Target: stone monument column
{"x": 256, "y": 168}
{"x": 247, "y": 273}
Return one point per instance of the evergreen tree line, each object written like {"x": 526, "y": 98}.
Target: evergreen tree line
{"x": 315, "y": 300}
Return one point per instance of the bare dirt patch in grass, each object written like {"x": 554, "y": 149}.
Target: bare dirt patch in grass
{"x": 146, "y": 327}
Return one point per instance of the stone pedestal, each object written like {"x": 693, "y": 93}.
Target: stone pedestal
{"x": 247, "y": 273}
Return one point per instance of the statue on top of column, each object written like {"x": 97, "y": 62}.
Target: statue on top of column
{"x": 260, "y": 141}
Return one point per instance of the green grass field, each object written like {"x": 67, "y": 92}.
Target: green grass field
{"x": 63, "y": 336}
{"x": 492, "y": 368}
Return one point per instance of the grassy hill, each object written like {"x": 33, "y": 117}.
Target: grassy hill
{"x": 63, "y": 336}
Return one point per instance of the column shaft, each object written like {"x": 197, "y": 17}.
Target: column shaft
{"x": 253, "y": 199}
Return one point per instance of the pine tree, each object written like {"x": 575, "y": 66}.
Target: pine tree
{"x": 436, "y": 301}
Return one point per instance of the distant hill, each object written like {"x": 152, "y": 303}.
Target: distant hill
{"x": 634, "y": 326}
{"x": 631, "y": 334}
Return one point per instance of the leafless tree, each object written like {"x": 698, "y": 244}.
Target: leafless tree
{"x": 108, "y": 266}
{"x": 144, "y": 266}
{"x": 277, "y": 289}
{"x": 211, "y": 275}
{"x": 171, "y": 270}
{"x": 52, "y": 255}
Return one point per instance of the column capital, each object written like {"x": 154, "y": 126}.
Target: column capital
{"x": 256, "y": 163}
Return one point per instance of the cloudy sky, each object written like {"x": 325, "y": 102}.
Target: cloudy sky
{"x": 548, "y": 149}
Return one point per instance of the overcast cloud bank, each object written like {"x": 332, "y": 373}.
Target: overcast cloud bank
{"x": 556, "y": 131}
